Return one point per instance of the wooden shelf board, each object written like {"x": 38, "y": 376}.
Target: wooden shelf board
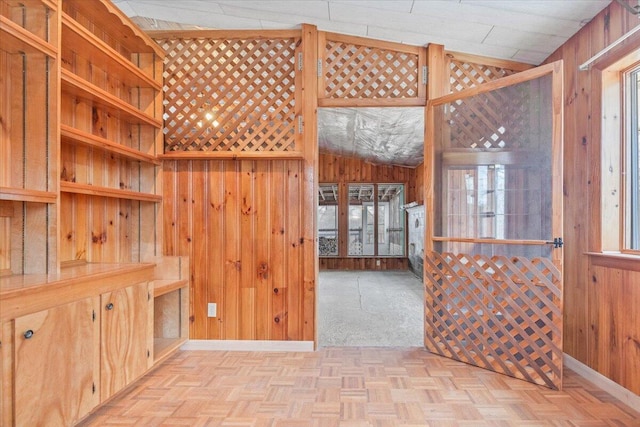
{"x": 93, "y": 190}
{"x": 74, "y": 85}
{"x": 46, "y": 3}
{"x": 161, "y": 287}
{"x": 231, "y": 155}
{"x": 104, "y": 56}
{"x": 162, "y": 347}
{"x": 74, "y": 136}
{"x": 24, "y": 195}
{"x": 15, "y": 39}
{"x": 105, "y": 15}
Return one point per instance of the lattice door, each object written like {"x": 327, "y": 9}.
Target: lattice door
{"x": 493, "y": 273}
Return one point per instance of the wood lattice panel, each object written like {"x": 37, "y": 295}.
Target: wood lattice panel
{"x": 230, "y": 95}
{"x": 503, "y": 119}
{"x": 357, "y": 71}
{"x": 500, "y": 313}
{"x": 464, "y": 75}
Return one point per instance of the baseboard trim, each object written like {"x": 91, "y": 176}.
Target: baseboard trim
{"x": 624, "y": 395}
{"x": 248, "y": 345}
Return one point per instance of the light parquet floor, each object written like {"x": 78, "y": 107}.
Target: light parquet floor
{"x": 350, "y": 387}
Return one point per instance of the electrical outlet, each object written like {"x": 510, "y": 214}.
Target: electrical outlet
{"x": 377, "y": 263}
{"x": 212, "y": 309}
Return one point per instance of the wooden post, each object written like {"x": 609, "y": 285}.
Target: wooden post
{"x": 436, "y": 76}
{"x": 310, "y": 182}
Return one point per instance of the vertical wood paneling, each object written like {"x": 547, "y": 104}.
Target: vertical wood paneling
{"x": 599, "y": 328}
{"x": 293, "y": 213}
{"x": 247, "y": 253}
{"x": 262, "y": 254}
{"x": 240, "y": 222}
{"x": 279, "y": 260}
{"x": 213, "y": 288}
{"x": 200, "y": 207}
{"x": 231, "y": 255}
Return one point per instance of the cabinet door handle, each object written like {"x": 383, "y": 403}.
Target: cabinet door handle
{"x": 109, "y": 306}
{"x": 28, "y": 334}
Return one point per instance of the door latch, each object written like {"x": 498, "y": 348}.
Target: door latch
{"x": 557, "y": 242}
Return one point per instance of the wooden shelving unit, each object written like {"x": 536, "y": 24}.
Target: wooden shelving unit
{"x": 80, "y": 209}
{"x": 29, "y": 48}
{"x": 110, "y": 132}
{"x": 107, "y": 58}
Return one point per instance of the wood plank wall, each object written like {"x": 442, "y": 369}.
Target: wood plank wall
{"x": 601, "y": 325}
{"x": 343, "y": 170}
{"x": 241, "y": 224}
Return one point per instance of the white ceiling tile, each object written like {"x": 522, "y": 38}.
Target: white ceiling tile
{"x": 289, "y": 20}
{"x": 577, "y": 10}
{"x": 392, "y": 5}
{"x": 530, "y": 56}
{"x": 194, "y": 17}
{"x": 501, "y": 52}
{"x": 518, "y": 39}
{"x": 408, "y": 22}
{"x": 125, "y": 7}
{"x": 266, "y": 9}
{"x": 193, "y": 5}
{"x": 471, "y": 12}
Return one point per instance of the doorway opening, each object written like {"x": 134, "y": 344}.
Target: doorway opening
{"x": 370, "y": 160}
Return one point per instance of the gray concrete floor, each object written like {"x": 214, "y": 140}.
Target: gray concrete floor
{"x": 370, "y": 308}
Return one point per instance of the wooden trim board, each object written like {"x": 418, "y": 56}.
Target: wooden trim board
{"x": 624, "y": 395}
{"x": 248, "y": 345}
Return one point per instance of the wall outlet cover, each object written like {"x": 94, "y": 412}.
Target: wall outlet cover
{"x": 212, "y": 309}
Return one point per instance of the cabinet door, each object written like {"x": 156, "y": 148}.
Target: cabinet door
{"x": 56, "y": 360}
{"x": 125, "y": 337}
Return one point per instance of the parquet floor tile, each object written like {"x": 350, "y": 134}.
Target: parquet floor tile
{"x": 350, "y": 387}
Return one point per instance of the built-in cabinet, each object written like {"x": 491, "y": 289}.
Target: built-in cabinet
{"x": 125, "y": 337}
{"x": 74, "y": 341}
{"x": 55, "y": 347}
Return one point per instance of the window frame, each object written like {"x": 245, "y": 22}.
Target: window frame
{"x": 630, "y": 230}
{"x": 614, "y": 157}
{"x": 343, "y": 212}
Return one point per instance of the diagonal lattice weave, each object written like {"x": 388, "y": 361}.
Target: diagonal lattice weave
{"x": 505, "y": 118}
{"x": 500, "y": 313}
{"x": 355, "y": 71}
{"x": 465, "y": 75}
{"x": 497, "y": 120}
{"x": 229, "y": 95}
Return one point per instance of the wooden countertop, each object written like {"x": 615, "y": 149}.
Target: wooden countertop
{"x": 23, "y": 294}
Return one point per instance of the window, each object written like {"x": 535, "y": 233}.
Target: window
{"x": 631, "y": 161}
{"x": 374, "y": 225}
{"x": 620, "y": 157}
{"x": 328, "y": 220}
